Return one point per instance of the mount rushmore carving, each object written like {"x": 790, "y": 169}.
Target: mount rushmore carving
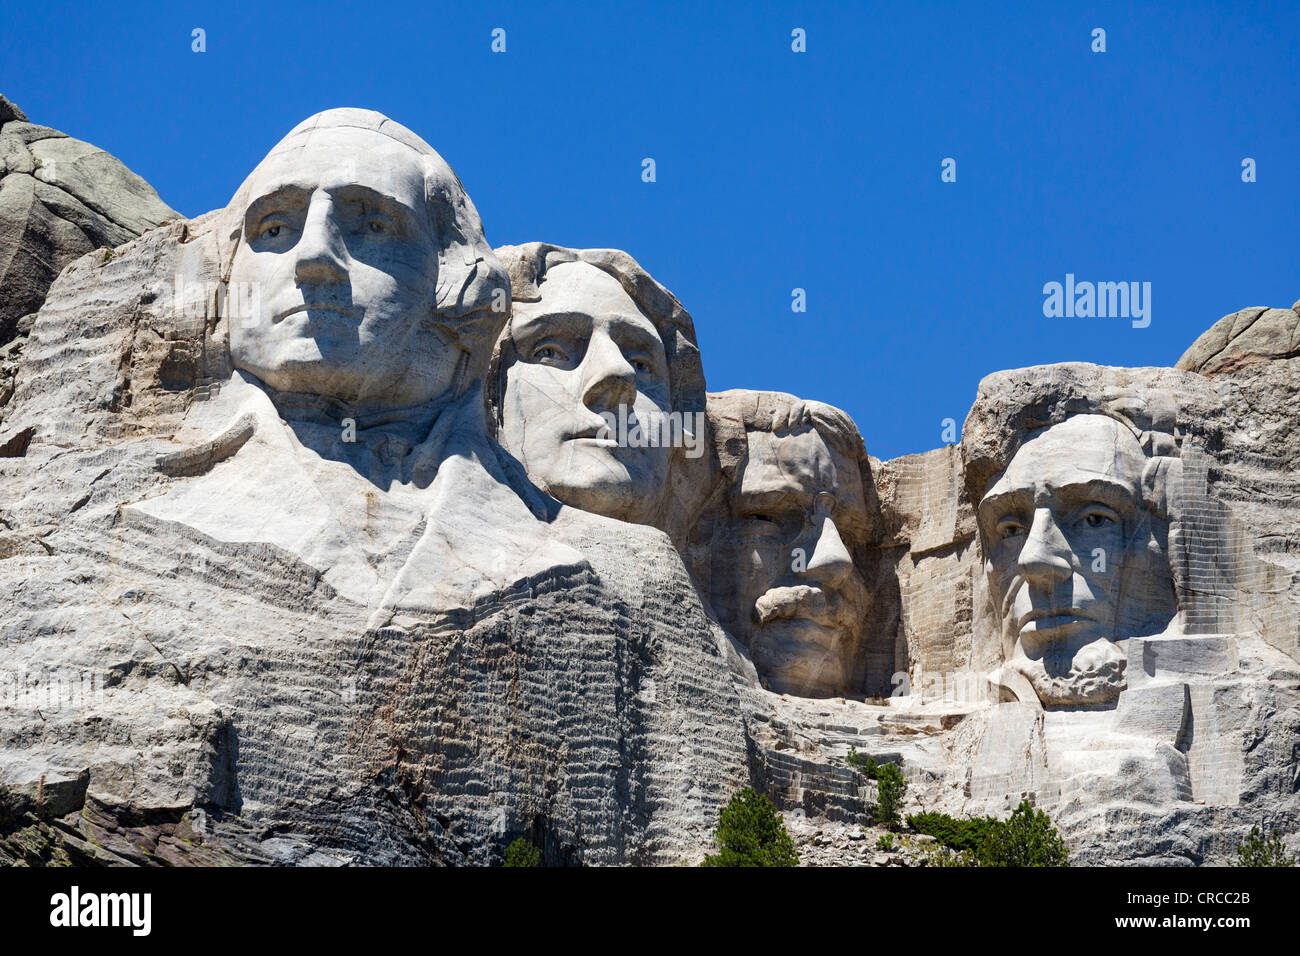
{"x": 370, "y": 543}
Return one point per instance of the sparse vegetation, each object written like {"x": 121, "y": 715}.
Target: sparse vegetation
{"x": 885, "y": 842}
{"x": 1260, "y": 850}
{"x": 891, "y": 788}
{"x": 960, "y": 834}
{"x": 1026, "y": 838}
{"x": 522, "y": 853}
{"x": 751, "y": 833}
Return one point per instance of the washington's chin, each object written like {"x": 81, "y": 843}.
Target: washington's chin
{"x": 626, "y": 500}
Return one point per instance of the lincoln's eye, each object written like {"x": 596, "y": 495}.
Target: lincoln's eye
{"x": 1009, "y": 529}
{"x": 1098, "y": 516}
{"x": 271, "y": 232}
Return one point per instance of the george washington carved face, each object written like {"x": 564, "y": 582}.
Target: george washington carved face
{"x": 356, "y": 253}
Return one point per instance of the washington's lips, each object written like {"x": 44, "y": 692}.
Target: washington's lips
{"x": 596, "y": 434}
{"x": 347, "y": 311}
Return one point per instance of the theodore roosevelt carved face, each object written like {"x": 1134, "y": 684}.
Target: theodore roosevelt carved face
{"x": 784, "y": 579}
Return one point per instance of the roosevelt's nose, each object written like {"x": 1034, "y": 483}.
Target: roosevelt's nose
{"x": 1045, "y": 556}
{"x": 320, "y": 255}
{"x": 608, "y": 379}
{"x": 831, "y": 562}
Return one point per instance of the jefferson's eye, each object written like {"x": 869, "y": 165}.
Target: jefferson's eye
{"x": 548, "y": 355}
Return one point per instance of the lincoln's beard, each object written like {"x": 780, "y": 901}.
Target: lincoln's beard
{"x": 1092, "y": 675}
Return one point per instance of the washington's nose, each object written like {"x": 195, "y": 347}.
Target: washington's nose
{"x": 608, "y": 379}
{"x": 1045, "y": 557}
{"x": 830, "y": 562}
{"x": 321, "y": 253}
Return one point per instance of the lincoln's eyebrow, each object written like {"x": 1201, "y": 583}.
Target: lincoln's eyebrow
{"x": 1109, "y": 492}
{"x": 633, "y": 330}
{"x": 750, "y": 502}
{"x": 994, "y": 506}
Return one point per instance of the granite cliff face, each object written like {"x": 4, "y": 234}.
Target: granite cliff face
{"x": 277, "y": 594}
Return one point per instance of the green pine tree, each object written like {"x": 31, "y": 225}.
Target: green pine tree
{"x": 1026, "y": 838}
{"x": 751, "y": 833}
{"x": 1258, "y": 850}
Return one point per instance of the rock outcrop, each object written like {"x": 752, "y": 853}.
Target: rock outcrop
{"x": 313, "y": 553}
{"x": 59, "y": 199}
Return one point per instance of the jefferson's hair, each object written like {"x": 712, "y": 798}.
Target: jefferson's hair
{"x": 527, "y": 266}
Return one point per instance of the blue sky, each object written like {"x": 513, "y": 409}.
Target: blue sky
{"x": 775, "y": 169}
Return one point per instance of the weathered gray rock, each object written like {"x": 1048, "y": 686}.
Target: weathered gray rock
{"x": 330, "y": 650}
{"x": 274, "y": 592}
{"x": 59, "y": 199}
{"x": 1245, "y": 338}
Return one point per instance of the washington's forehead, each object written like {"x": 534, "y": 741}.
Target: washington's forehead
{"x": 337, "y": 158}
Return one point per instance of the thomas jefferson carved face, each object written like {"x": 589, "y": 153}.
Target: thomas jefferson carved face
{"x": 586, "y": 349}
{"x": 794, "y": 596}
{"x": 334, "y": 278}
{"x": 1059, "y": 527}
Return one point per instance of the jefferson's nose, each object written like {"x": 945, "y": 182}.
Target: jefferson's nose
{"x": 1045, "y": 556}
{"x": 608, "y": 379}
{"x": 831, "y": 562}
{"x": 321, "y": 255}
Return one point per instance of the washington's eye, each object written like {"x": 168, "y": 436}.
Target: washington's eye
{"x": 640, "y": 366}
{"x": 270, "y": 230}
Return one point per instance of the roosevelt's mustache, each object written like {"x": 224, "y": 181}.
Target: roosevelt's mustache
{"x": 801, "y": 600}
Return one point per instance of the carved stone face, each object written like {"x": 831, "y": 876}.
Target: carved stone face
{"x": 793, "y": 594}
{"x": 585, "y": 349}
{"x": 333, "y": 283}
{"x": 1058, "y": 527}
